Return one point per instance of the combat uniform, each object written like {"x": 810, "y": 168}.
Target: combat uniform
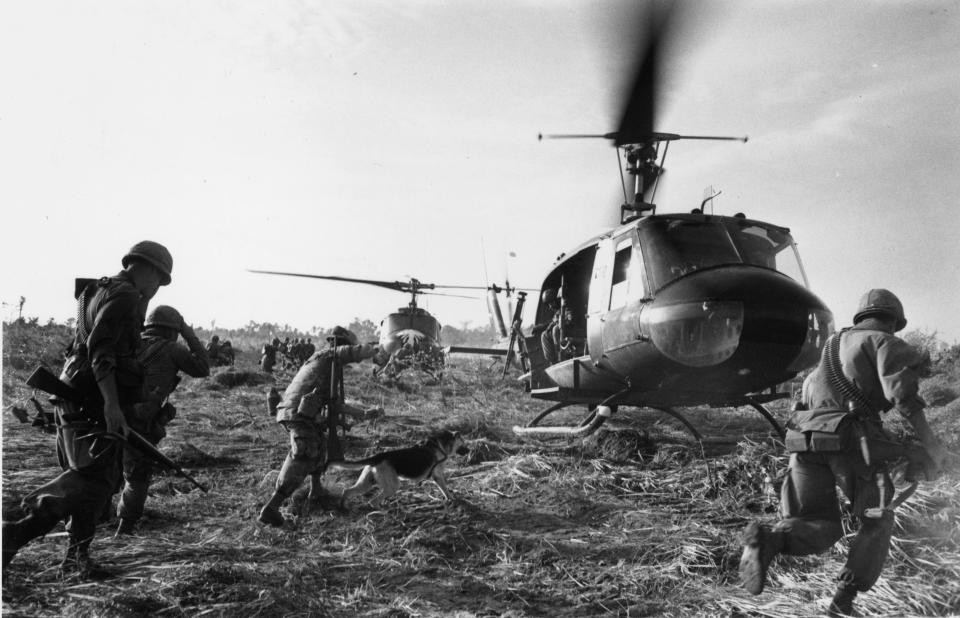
{"x": 161, "y": 359}
{"x": 884, "y": 368}
{"x": 826, "y": 438}
{"x": 109, "y": 317}
{"x": 301, "y": 413}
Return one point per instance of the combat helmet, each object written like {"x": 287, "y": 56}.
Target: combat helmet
{"x": 154, "y": 254}
{"x": 164, "y": 315}
{"x": 879, "y": 301}
{"x": 342, "y": 336}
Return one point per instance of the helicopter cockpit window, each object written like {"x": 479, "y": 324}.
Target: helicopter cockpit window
{"x": 768, "y": 247}
{"x": 673, "y": 248}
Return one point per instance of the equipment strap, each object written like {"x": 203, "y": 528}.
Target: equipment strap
{"x": 840, "y": 382}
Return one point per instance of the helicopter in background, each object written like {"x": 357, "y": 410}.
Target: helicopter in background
{"x": 669, "y": 310}
{"x": 411, "y": 335}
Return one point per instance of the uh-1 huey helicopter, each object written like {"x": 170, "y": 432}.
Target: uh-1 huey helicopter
{"x": 669, "y": 310}
{"x": 410, "y": 336}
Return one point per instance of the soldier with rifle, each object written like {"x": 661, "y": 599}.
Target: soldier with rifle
{"x": 102, "y": 367}
{"x": 161, "y": 357}
{"x": 836, "y": 437}
{"x": 313, "y": 404}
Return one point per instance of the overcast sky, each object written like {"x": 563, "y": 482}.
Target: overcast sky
{"x": 394, "y": 139}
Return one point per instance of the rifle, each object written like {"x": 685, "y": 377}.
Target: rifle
{"x": 334, "y": 408}
{"x": 919, "y": 465}
{"x": 42, "y": 379}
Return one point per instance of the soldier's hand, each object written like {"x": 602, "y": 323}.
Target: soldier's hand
{"x": 116, "y": 423}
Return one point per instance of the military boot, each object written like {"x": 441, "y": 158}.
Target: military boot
{"x": 842, "y": 603}
{"x": 760, "y": 545}
{"x": 18, "y": 533}
{"x": 270, "y": 514}
{"x": 126, "y": 527}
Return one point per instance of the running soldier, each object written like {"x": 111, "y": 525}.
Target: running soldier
{"x": 836, "y": 437}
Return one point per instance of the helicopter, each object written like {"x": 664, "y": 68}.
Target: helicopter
{"x": 410, "y": 336}
{"x": 667, "y": 311}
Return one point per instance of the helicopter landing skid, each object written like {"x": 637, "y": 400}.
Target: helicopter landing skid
{"x": 756, "y": 405}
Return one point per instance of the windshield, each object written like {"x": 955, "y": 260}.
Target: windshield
{"x": 674, "y": 247}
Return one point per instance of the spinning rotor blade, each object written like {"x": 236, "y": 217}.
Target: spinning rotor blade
{"x": 452, "y": 295}
{"x": 390, "y": 285}
{"x": 639, "y": 110}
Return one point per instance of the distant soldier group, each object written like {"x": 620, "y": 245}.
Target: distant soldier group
{"x": 221, "y": 354}
{"x": 291, "y": 355}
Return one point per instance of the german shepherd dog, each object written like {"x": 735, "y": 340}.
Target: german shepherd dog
{"x": 416, "y": 463}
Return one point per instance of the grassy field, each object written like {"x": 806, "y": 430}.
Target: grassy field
{"x": 630, "y": 522}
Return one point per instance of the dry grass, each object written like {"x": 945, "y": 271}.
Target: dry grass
{"x": 628, "y": 523}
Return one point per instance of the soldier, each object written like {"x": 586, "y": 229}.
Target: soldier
{"x": 226, "y": 356}
{"x": 102, "y": 365}
{"x": 312, "y": 404}
{"x": 309, "y": 349}
{"x": 161, "y": 358}
{"x": 864, "y": 370}
{"x": 268, "y": 355}
{"x": 213, "y": 350}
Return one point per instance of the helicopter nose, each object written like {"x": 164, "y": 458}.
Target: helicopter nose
{"x": 758, "y": 317}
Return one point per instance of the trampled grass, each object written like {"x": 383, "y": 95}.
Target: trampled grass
{"x": 630, "y": 522}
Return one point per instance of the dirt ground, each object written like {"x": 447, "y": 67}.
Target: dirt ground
{"x": 631, "y": 522}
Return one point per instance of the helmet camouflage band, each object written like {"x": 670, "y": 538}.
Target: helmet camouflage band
{"x": 881, "y": 302}
{"x": 152, "y": 253}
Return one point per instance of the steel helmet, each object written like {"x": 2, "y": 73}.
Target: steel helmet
{"x": 343, "y": 336}
{"x": 154, "y": 254}
{"x": 164, "y": 315}
{"x": 881, "y": 302}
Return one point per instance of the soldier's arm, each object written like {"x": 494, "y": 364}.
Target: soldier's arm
{"x": 109, "y": 324}
{"x": 356, "y": 353}
{"x": 192, "y": 360}
{"x": 898, "y": 365}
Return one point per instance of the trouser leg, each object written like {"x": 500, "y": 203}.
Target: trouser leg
{"x": 808, "y": 506}
{"x": 302, "y": 461}
{"x": 137, "y": 472}
{"x": 870, "y": 546}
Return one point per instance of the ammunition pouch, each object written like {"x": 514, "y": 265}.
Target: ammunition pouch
{"x": 821, "y": 431}
{"x": 311, "y": 405}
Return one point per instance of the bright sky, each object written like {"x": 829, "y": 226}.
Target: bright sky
{"x": 388, "y": 139}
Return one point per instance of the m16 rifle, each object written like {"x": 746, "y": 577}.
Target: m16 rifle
{"x": 42, "y": 379}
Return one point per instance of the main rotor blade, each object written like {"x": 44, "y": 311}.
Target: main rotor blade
{"x": 450, "y": 295}
{"x": 639, "y": 110}
{"x": 390, "y": 285}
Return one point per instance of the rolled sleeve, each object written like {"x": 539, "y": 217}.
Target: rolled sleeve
{"x": 110, "y": 324}
{"x": 898, "y": 365}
